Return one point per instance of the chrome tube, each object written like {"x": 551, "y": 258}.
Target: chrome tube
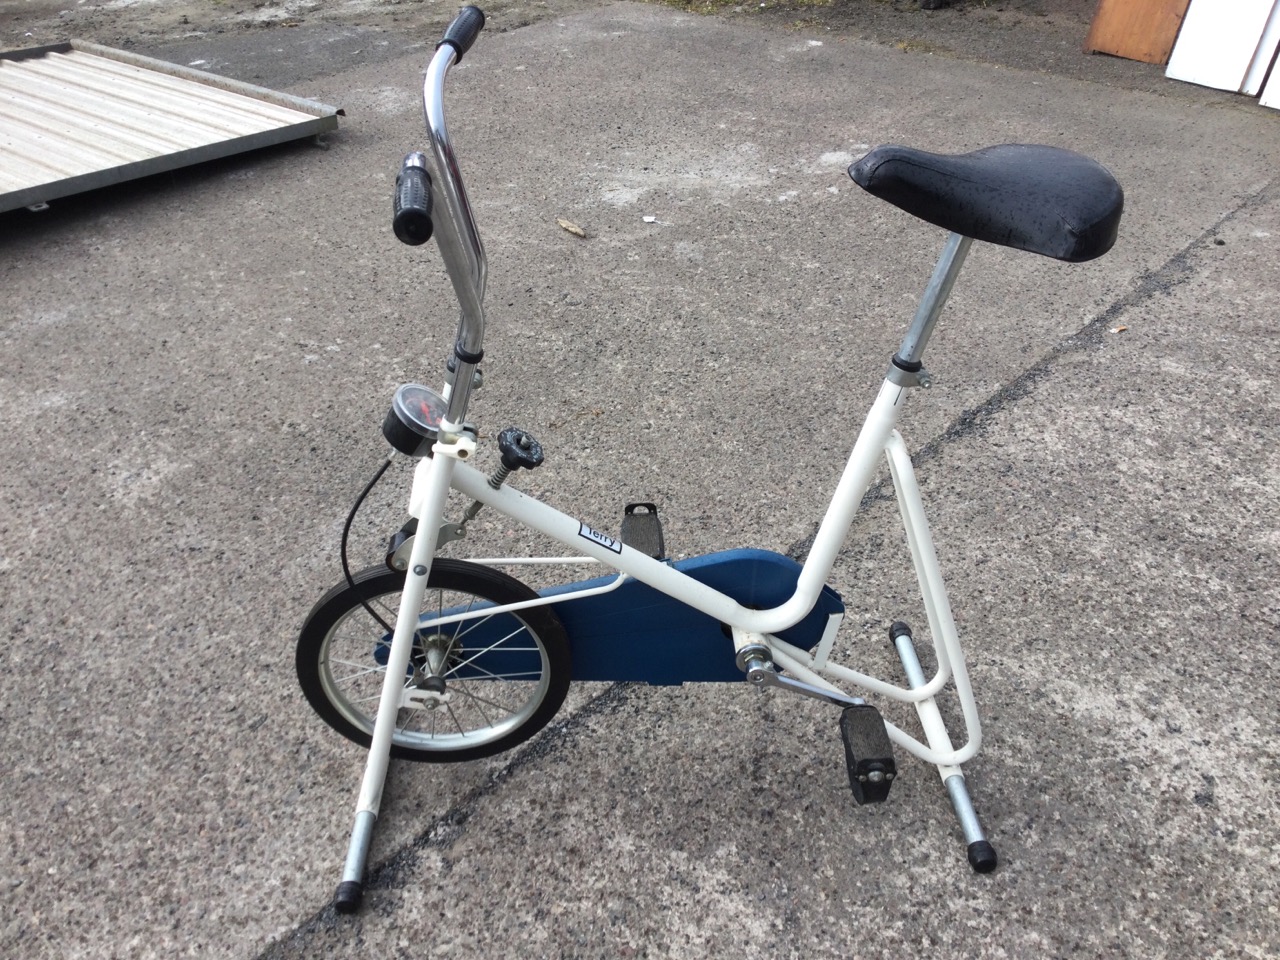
{"x": 935, "y": 297}
{"x": 982, "y": 855}
{"x": 962, "y": 804}
{"x": 456, "y": 233}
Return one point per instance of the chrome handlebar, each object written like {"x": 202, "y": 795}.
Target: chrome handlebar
{"x": 456, "y": 233}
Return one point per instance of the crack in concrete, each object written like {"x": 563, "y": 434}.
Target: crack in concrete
{"x": 447, "y": 828}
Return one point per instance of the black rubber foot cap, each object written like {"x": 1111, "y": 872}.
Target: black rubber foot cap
{"x": 899, "y": 629}
{"x": 350, "y": 893}
{"x": 982, "y": 856}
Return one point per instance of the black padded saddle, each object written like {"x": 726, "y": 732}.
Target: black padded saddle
{"x": 1042, "y": 199}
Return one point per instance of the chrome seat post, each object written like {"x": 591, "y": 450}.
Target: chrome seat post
{"x": 931, "y": 304}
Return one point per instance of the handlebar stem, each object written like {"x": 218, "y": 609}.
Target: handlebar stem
{"x": 456, "y": 235}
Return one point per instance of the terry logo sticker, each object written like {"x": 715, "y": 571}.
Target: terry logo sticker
{"x": 599, "y": 538}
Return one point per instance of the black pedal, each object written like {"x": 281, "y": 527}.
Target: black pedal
{"x": 642, "y": 530}
{"x": 868, "y": 753}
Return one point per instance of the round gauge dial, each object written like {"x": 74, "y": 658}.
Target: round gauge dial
{"x": 413, "y": 422}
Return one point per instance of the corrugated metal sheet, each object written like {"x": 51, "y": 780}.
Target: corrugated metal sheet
{"x": 78, "y": 116}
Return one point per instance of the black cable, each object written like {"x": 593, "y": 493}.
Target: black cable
{"x": 346, "y": 531}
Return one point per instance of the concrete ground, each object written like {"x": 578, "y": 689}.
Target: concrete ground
{"x": 196, "y": 366}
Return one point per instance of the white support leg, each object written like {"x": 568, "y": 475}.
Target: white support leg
{"x": 429, "y": 497}
{"x": 933, "y": 591}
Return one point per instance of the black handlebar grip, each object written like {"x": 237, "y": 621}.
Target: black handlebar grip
{"x": 463, "y": 31}
{"x": 411, "y": 217}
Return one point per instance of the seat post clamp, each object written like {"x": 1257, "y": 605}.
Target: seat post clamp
{"x": 908, "y": 374}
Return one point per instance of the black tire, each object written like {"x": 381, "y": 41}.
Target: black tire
{"x": 501, "y": 689}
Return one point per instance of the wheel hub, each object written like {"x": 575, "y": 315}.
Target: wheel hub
{"x": 434, "y": 656}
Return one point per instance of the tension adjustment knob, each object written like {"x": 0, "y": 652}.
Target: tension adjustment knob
{"x": 519, "y": 449}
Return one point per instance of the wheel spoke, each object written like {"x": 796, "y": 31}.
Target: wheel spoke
{"x": 411, "y": 713}
{"x": 492, "y": 646}
{"x": 479, "y": 700}
{"x": 449, "y": 707}
{"x": 490, "y": 675}
{"x": 473, "y": 625}
{"x": 391, "y": 610}
{"x": 363, "y": 668}
{"x": 534, "y": 649}
{"x": 471, "y": 603}
{"x": 360, "y": 673}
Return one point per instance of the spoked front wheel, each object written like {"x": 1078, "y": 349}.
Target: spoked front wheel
{"x": 478, "y": 682}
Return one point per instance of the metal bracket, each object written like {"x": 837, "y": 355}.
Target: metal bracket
{"x": 449, "y": 532}
{"x": 426, "y": 699}
{"x": 402, "y": 544}
{"x": 460, "y": 445}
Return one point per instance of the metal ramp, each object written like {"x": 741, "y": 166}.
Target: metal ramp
{"x": 78, "y": 116}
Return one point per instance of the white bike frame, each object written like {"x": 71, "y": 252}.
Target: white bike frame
{"x": 878, "y": 436}
{"x": 812, "y": 673}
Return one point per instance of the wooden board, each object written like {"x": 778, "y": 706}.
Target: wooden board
{"x": 1136, "y": 29}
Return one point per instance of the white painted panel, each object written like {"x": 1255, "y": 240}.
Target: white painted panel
{"x": 1266, "y": 54}
{"x": 1218, "y": 41}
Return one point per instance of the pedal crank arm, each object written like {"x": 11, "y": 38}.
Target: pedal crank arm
{"x": 762, "y": 673}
